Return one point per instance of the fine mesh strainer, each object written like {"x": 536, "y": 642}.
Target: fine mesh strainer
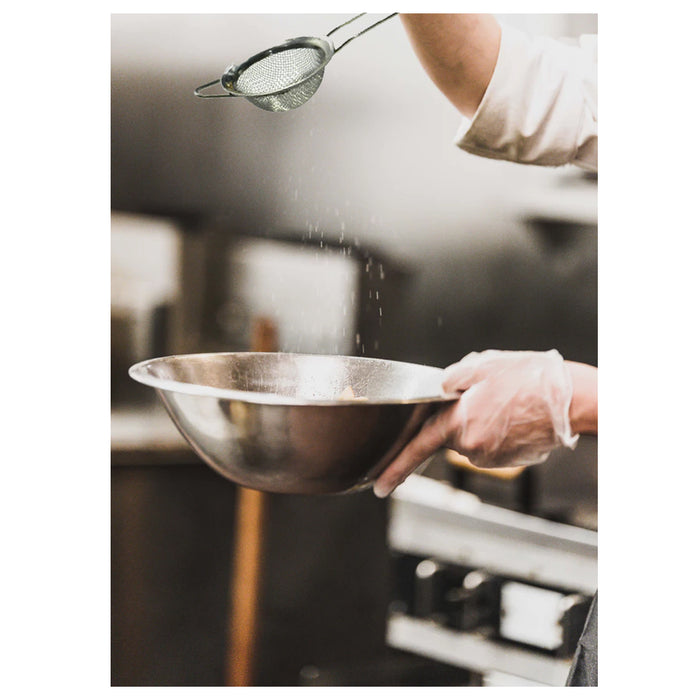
{"x": 283, "y": 77}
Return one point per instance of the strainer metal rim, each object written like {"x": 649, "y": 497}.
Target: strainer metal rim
{"x": 325, "y": 44}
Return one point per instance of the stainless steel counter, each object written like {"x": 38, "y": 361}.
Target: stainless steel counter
{"x": 146, "y": 435}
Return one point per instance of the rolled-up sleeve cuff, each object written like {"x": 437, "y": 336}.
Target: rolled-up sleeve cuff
{"x": 539, "y": 107}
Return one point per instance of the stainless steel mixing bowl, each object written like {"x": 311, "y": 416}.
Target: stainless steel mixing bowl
{"x": 275, "y": 422}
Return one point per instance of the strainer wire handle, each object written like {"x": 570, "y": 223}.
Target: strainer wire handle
{"x": 366, "y": 29}
{"x": 198, "y": 91}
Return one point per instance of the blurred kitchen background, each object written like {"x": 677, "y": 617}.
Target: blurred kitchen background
{"x": 352, "y": 225}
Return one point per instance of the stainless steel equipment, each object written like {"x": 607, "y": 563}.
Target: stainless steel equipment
{"x": 484, "y": 588}
{"x": 286, "y": 76}
{"x": 278, "y": 421}
{"x": 325, "y": 295}
{"x": 144, "y": 260}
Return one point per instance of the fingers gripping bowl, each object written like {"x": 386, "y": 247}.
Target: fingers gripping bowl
{"x": 285, "y": 423}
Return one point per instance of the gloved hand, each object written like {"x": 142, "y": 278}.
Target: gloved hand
{"x": 514, "y": 411}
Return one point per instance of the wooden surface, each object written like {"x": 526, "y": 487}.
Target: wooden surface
{"x": 248, "y": 556}
{"x": 245, "y": 597}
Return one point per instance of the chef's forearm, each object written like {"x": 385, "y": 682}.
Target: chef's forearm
{"x": 583, "y": 412}
{"x": 458, "y": 52}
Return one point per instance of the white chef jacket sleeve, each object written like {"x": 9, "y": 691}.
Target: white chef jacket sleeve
{"x": 540, "y": 106}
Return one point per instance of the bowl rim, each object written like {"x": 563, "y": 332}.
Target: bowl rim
{"x": 139, "y": 372}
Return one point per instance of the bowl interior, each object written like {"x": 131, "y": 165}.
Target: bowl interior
{"x": 292, "y": 378}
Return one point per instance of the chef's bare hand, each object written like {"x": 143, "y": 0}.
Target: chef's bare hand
{"x": 514, "y": 410}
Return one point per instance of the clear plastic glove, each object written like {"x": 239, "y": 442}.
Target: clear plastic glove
{"x": 514, "y": 411}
